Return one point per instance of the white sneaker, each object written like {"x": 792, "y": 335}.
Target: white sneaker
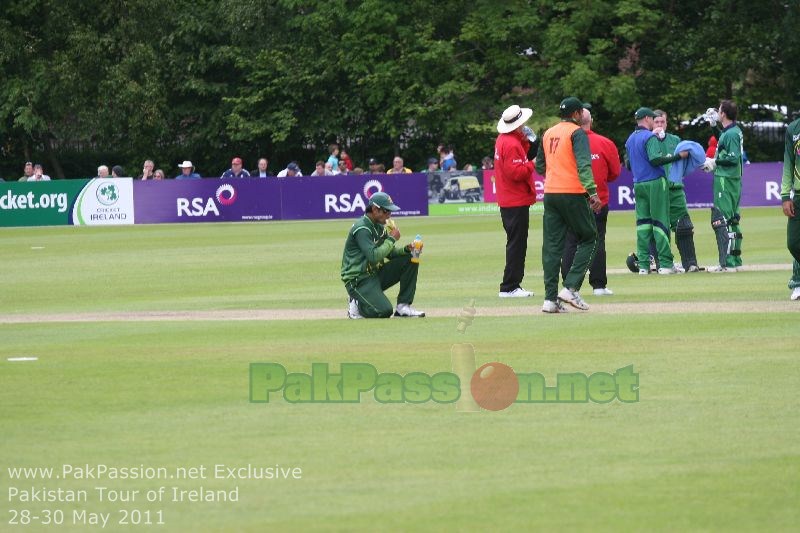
{"x": 795, "y": 294}
{"x": 643, "y": 272}
{"x": 352, "y": 310}
{"x": 572, "y": 298}
{"x": 717, "y": 268}
{"x": 605, "y": 291}
{"x": 667, "y": 271}
{"x": 679, "y": 269}
{"x": 554, "y": 307}
{"x": 405, "y": 310}
{"x": 519, "y": 292}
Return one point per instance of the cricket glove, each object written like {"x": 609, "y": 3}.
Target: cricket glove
{"x": 711, "y": 116}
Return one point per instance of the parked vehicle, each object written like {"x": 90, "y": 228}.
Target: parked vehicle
{"x": 461, "y": 188}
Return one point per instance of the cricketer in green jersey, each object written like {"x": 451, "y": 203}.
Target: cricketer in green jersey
{"x": 725, "y": 214}
{"x": 371, "y": 263}
{"x": 679, "y": 221}
{"x": 790, "y": 186}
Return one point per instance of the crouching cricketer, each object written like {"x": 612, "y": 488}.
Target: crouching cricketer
{"x": 371, "y": 263}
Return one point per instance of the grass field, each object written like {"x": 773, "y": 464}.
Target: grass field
{"x": 713, "y": 443}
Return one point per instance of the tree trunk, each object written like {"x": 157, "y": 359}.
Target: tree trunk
{"x": 55, "y": 164}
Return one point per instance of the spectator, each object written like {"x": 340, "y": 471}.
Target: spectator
{"x": 397, "y": 167}
{"x": 357, "y": 171}
{"x": 187, "y": 172}
{"x": 159, "y": 175}
{"x": 343, "y": 171}
{"x": 38, "y": 173}
{"x": 27, "y": 172}
{"x": 468, "y": 167}
{"x": 711, "y": 151}
{"x": 261, "y": 171}
{"x": 236, "y": 170}
{"x": 487, "y": 163}
{"x": 381, "y": 169}
{"x": 374, "y": 166}
{"x": 117, "y": 172}
{"x": 447, "y": 160}
{"x": 321, "y": 169}
{"x": 333, "y": 159}
{"x": 102, "y": 171}
{"x": 147, "y": 171}
{"x": 433, "y": 165}
{"x": 344, "y": 157}
{"x": 435, "y": 184}
{"x": 290, "y": 171}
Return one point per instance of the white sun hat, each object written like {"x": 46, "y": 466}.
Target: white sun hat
{"x": 513, "y": 117}
{"x": 186, "y": 164}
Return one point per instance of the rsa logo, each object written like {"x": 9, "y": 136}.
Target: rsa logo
{"x": 201, "y": 207}
{"x": 348, "y": 203}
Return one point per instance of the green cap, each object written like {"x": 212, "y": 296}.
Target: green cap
{"x": 644, "y": 112}
{"x": 570, "y": 104}
{"x": 384, "y": 201}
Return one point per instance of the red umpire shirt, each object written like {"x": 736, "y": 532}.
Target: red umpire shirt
{"x": 513, "y": 173}
{"x": 605, "y": 163}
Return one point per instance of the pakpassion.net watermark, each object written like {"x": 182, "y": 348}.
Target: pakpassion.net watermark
{"x": 494, "y": 386}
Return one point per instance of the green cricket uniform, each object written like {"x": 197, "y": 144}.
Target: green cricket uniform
{"x": 371, "y": 264}
{"x": 791, "y": 182}
{"x": 677, "y": 196}
{"x": 680, "y": 223}
{"x": 728, "y": 188}
{"x": 564, "y": 158}
{"x": 646, "y": 157}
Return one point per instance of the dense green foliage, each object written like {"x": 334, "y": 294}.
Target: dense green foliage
{"x": 88, "y": 82}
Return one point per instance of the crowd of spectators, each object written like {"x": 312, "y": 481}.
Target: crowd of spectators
{"x": 338, "y": 162}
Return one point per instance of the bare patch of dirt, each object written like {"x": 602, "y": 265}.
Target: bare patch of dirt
{"x": 534, "y": 309}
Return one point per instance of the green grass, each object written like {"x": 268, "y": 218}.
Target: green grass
{"x": 713, "y": 444}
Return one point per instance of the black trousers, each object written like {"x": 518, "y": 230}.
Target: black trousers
{"x": 515, "y": 222}
{"x": 597, "y": 270}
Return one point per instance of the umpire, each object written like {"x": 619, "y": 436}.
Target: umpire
{"x": 564, "y": 159}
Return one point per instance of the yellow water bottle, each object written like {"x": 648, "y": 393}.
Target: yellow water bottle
{"x": 416, "y": 248}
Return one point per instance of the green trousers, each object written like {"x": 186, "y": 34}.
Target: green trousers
{"x": 727, "y": 193}
{"x": 562, "y": 211}
{"x": 369, "y": 291}
{"x": 677, "y": 205}
{"x": 652, "y": 222}
{"x": 793, "y": 242}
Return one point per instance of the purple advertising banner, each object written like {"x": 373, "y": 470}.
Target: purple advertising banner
{"x": 207, "y": 200}
{"x": 347, "y": 196}
{"x": 761, "y": 186}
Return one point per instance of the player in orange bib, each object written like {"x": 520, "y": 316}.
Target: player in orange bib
{"x": 570, "y": 197}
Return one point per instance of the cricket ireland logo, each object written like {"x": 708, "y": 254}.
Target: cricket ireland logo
{"x": 107, "y": 194}
{"x": 493, "y": 386}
